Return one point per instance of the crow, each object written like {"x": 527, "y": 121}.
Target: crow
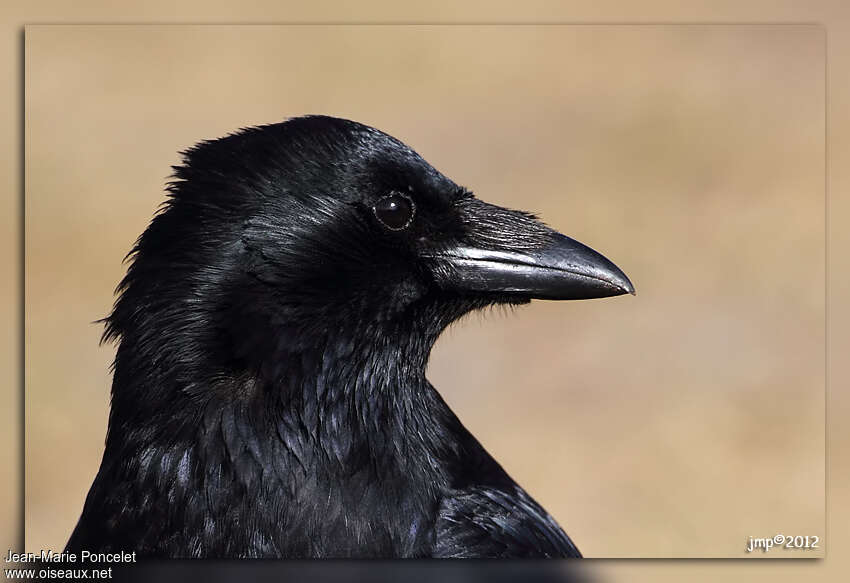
{"x": 269, "y": 397}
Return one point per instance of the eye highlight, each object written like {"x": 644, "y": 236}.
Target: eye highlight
{"x": 395, "y": 211}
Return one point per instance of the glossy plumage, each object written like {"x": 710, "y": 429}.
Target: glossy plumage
{"x": 269, "y": 395}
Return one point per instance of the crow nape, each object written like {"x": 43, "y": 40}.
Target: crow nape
{"x": 269, "y": 396}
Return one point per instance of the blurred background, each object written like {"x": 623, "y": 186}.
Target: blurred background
{"x": 677, "y": 423}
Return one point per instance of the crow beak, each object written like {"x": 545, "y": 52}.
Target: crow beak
{"x": 562, "y": 270}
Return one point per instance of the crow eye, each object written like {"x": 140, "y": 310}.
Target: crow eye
{"x": 395, "y": 211}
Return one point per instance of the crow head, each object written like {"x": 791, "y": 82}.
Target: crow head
{"x": 278, "y": 238}
{"x": 269, "y": 397}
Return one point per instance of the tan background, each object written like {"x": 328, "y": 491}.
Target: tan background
{"x": 677, "y": 423}
{"x": 832, "y": 13}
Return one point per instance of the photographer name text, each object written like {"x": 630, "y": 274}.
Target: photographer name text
{"x": 49, "y": 556}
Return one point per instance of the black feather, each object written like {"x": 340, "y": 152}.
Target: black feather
{"x": 269, "y": 395}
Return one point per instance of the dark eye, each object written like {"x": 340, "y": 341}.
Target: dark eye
{"x": 395, "y": 211}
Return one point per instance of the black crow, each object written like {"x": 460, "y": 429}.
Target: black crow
{"x": 269, "y": 396}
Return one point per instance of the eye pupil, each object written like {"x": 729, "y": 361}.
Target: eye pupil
{"x": 394, "y": 211}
